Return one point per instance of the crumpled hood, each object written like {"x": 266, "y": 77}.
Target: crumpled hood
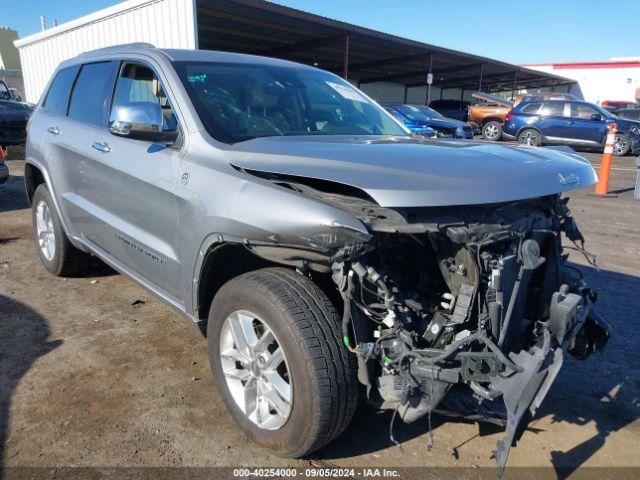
{"x": 407, "y": 172}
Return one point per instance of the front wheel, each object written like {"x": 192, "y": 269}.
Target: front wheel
{"x": 492, "y": 131}
{"x": 530, "y": 138}
{"x": 275, "y": 347}
{"x": 621, "y": 145}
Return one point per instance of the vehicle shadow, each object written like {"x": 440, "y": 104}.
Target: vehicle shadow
{"x": 604, "y": 391}
{"x": 12, "y": 194}
{"x": 24, "y": 337}
{"x": 601, "y": 391}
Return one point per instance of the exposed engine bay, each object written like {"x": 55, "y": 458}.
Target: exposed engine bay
{"x": 484, "y": 301}
{"x": 467, "y": 300}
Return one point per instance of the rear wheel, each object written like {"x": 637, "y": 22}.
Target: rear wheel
{"x": 58, "y": 255}
{"x": 621, "y": 145}
{"x": 275, "y": 346}
{"x": 492, "y": 131}
{"x": 530, "y": 137}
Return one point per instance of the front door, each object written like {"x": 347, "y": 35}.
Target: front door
{"x": 132, "y": 189}
{"x": 586, "y": 124}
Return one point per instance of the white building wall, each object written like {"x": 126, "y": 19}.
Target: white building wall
{"x": 163, "y": 23}
{"x": 598, "y": 84}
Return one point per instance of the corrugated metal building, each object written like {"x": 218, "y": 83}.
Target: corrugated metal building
{"x": 387, "y": 67}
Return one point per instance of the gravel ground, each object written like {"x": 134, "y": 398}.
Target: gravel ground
{"x": 88, "y": 380}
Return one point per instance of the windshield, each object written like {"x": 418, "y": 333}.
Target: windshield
{"x": 238, "y": 102}
{"x": 414, "y": 114}
{"x": 430, "y": 112}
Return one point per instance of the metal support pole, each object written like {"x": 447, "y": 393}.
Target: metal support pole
{"x": 513, "y": 90}
{"x": 346, "y": 57}
{"x": 461, "y": 94}
{"x": 480, "y": 81}
{"x": 406, "y": 91}
{"x": 553, "y": 85}
{"x": 429, "y": 86}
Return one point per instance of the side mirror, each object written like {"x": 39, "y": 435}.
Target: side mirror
{"x": 140, "y": 121}
{"x": 596, "y": 117}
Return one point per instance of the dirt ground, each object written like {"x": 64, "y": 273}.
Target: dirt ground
{"x": 87, "y": 379}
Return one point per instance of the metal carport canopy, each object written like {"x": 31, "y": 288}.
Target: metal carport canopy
{"x": 360, "y": 54}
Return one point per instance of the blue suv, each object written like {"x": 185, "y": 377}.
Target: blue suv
{"x": 416, "y": 118}
{"x": 572, "y": 123}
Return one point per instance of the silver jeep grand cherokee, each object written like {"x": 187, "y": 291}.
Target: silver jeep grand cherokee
{"x": 313, "y": 239}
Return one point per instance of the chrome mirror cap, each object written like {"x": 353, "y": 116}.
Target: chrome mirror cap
{"x": 140, "y": 121}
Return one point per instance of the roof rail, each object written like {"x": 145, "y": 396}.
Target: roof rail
{"x": 117, "y": 48}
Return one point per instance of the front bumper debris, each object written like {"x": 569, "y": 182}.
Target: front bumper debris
{"x": 572, "y": 326}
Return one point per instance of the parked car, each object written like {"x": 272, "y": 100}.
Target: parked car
{"x": 613, "y": 105}
{"x": 457, "y": 109}
{"x": 260, "y": 198}
{"x": 570, "y": 123}
{"x": 14, "y": 94}
{"x": 5, "y": 92}
{"x": 628, "y": 113}
{"x": 413, "y": 116}
{"x": 491, "y": 112}
{"x": 13, "y": 122}
{"x": 416, "y": 127}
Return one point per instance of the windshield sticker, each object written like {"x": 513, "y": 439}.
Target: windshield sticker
{"x": 347, "y": 92}
{"x": 197, "y": 78}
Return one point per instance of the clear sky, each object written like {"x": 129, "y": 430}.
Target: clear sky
{"x": 530, "y": 31}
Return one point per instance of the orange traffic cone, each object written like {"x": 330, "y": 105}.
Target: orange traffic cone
{"x": 602, "y": 186}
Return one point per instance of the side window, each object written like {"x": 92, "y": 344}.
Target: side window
{"x": 138, "y": 83}
{"x": 57, "y": 98}
{"x": 91, "y": 93}
{"x": 584, "y": 112}
{"x": 552, "y": 109}
{"x": 531, "y": 108}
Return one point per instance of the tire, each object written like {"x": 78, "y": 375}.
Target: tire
{"x": 62, "y": 259}
{"x": 492, "y": 131}
{"x": 321, "y": 372}
{"x": 530, "y": 137}
{"x": 621, "y": 145}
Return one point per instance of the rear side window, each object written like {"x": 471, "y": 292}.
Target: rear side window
{"x": 92, "y": 93}
{"x": 531, "y": 108}
{"x": 57, "y": 98}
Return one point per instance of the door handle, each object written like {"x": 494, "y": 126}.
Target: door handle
{"x": 54, "y": 130}
{"x": 101, "y": 147}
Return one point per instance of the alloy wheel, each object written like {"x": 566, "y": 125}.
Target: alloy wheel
{"x": 529, "y": 138}
{"x": 620, "y": 145}
{"x": 45, "y": 230}
{"x": 256, "y": 370}
{"x": 491, "y": 132}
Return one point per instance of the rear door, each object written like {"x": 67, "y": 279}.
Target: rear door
{"x": 64, "y": 148}
{"x": 131, "y": 188}
{"x": 551, "y": 121}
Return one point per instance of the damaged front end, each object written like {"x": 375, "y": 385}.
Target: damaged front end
{"x": 466, "y": 298}
{"x": 443, "y": 305}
